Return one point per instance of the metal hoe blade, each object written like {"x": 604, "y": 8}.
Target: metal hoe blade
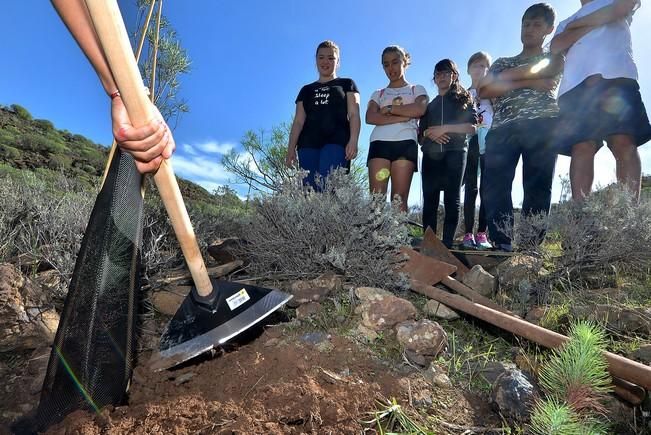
{"x": 184, "y": 351}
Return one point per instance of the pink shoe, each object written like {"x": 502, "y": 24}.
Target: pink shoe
{"x": 481, "y": 241}
{"x": 468, "y": 241}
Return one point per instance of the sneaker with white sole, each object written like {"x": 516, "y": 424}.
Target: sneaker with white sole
{"x": 468, "y": 241}
{"x": 481, "y": 241}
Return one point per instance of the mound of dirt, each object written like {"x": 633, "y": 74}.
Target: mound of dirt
{"x": 275, "y": 384}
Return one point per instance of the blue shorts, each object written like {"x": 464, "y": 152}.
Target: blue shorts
{"x": 599, "y": 108}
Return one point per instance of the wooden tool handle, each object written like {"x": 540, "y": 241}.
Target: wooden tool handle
{"x": 618, "y": 366}
{"x": 113, "y": 36}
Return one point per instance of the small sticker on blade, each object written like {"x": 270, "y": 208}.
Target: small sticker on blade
{"x": 237, "y": 299}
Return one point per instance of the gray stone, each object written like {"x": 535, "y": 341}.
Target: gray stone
{"x": 27, "y": 320}
{"x": 314, "y": 290}
{"x": 440, "y": 311}
{"x": 36, "y": 368}
{"x": 368, "y": 294}
{"x": 368, "y": 334}
{"x": 424, "y": 338}
{"x": 387, "y": 312}
{"x": 168, "y": 300}
{"x": 534, "y": 315}
{"x": 314, "y": 338}
{"x": 437, "y": 376}
{"x": 643, "y": 354}
{"x": 480, "y": 281}
{"x": 615, "y": 317}
{"x": 514, "y": 395}
{"x": 417, "y": 358}
{"x": 184, "y": 378}
{"x": 517, "y": 269}
{"x": 307, "y": 310}
{"x": 492, "y": 370}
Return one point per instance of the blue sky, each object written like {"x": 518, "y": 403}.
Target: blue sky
{"x": 250, "y": 58}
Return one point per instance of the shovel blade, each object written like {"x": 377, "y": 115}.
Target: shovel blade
{"x": 197, "y": 328}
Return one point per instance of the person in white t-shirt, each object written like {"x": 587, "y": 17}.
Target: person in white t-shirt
{"x": 599, "y": 96}
{"x": 394, "y": 110}
{"x": 478, "y": 66}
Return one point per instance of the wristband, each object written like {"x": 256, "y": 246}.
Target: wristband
{"x": 117, "y": 93}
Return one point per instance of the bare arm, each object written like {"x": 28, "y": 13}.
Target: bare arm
{"x": 618, "y": 10}
{"x": 374, "y": 117}
{"x": 77, "y": 19}
{"x": 567, "y": 38}
{"x": 149, "y": 144}
{"x": 492, "y": 87}
{"x": 412, "y": 110}
{"x": 294, "y": 133}
{"x": 526, "y": 72}
{"x": 352, "y": 104}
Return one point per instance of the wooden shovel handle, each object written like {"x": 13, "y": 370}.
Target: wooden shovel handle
{"x": 618, "y": 366}
{"x": 114, "y": 39}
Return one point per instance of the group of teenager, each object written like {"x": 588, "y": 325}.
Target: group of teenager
{"x": 567, "y": 99}
{"x": 514, "y": 108}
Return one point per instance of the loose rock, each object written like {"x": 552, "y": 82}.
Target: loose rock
{"x": 439, "y": 310}
{"x": 423, "y": 338}
{"x": 480, "y": 281}
{"x": 27, "y": 320}
{"x": 517, "y": 269}
{"x": 387, "y": 312}
{"x": 514, "y": 395}
{"x": 307, "y": 310}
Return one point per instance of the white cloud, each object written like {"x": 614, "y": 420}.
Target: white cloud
{"x": 209, "y": 147}
{"x": 207, "y": 172}
{"x": 188, "y": 149}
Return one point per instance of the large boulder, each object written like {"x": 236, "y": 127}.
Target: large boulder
{"x": 27, "y": 319}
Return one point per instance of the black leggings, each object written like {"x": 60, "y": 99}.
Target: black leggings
{"x": 475, "y": 161}
{"x": 443, "y": 174}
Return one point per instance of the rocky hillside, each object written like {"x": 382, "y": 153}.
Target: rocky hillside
{"x": 36, "y": 144}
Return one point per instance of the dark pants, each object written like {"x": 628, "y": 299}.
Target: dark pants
{"x": 443, "y": 174}
{"x": 474, "y": 162}
{"x": 321, "y": 161}
{"x": 531, "y": 139}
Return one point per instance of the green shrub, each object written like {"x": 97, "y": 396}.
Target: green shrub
{"x": 21, "y": 112}
{"x": 9, "y": 153}
{"x": 298, "y": 233}
{"x": 59, "y": 161}
{"x": 7, "y": 138}
{"x": 44, "y": 125}
{"x": 575, "y": 381}
{"x": 43, "y": 219}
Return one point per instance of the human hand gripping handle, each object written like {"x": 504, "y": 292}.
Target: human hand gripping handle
{"x": 149, "y": 144}
{"x": 109, "y": 26}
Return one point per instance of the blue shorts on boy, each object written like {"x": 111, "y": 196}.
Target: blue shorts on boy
{"x": 599, "y": 108}
{"x": 599, "y": 95}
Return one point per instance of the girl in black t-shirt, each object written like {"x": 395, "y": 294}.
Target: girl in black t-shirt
{"x": 443, "y": 134}
{"x": 326, "y": 125}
